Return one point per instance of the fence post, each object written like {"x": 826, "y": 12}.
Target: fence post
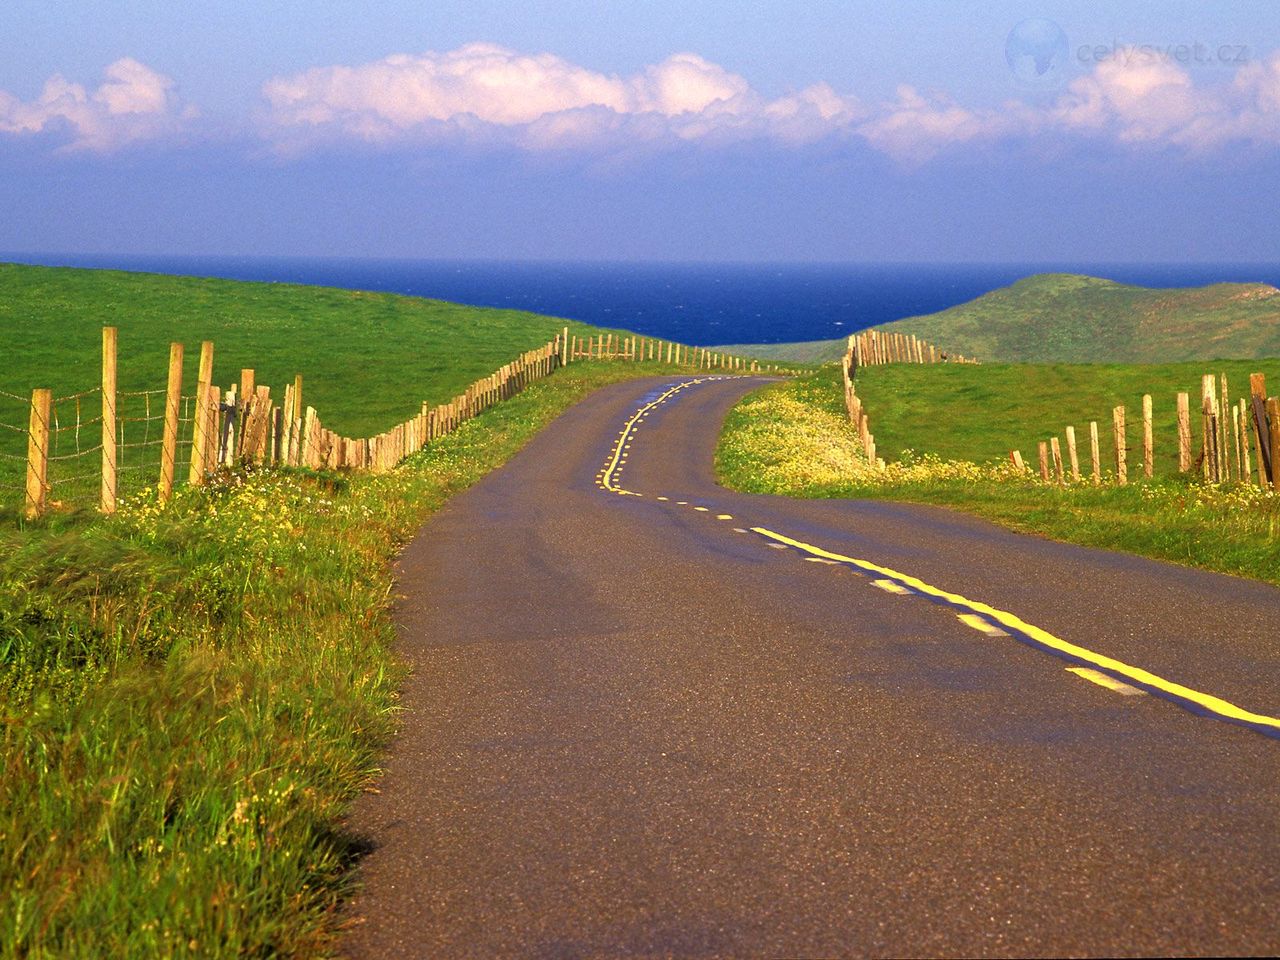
{"x": 1184, "y": 433}
{"x": 1273, "y": 411}
{"x": 1073, "y": 454}
{"x": 1261, "y": 438}
{"x": 213, "y": 412}
{"x": 1224, "y": 433}
{"x": 1095, "y": 453}
{"x": 1148, "y": 440}
{"x": 244, "y": 400}
{"x": 1117, "y": 424}
{"x": 107, "y": 493}
{"x": 1240, "y": 426}
{"x": 172, "y": 400}
{"x": 564, "y": 347}
{"x": 1044, "y": 461}
{"x": 1056, "y": 449}
{"x": 200, "y": 423}
{"x": 38, "y": 452}
{"x": 1208, "y": 402}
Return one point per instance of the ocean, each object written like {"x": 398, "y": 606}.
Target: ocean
{"x": 701, "y": 303}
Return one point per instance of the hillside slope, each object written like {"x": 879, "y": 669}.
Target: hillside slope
{"x": 1067, "y": 318}
{"x": 366, "y": 358}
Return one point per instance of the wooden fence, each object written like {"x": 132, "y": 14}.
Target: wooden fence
{"x": 194, "y": 434}
{"x": 636, "y": 348}
{"x": 1238, "y": 440}
{"x": 872, "y": 348}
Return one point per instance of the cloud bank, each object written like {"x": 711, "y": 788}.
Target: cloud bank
{"x": 487, "y": 95}
{"x": 482, "y": 91}
{"x": 538, "y": 101}
{"x": 133, "y": 103}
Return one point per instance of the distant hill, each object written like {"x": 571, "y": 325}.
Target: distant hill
{"x": 1066, "y": 318}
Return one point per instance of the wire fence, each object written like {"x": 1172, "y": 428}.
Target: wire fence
{"x": 95, "y": 446}
{"x": 75, "y": 443}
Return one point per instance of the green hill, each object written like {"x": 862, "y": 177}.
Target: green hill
{"x": 367, "y": 359}
{"x": 1066, "y": 318}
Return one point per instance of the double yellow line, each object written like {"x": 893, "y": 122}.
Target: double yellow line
{"x": 607, "y": 478}
{"x": 1204, "y": 702}
{"x": 1195, "y": 700}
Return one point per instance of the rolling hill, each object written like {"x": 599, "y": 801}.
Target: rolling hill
{"x": 1067, "y": 318}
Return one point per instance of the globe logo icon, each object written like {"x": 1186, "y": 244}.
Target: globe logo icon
{"x": 1037, "y": 53}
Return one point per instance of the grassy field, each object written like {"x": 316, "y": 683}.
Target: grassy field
{"x": 368, "y": 360}
{"x": 1067, "y": 318}
{"x": 1057, "y": 317}
{"x": 980, "y": 413}
{"x": 1229, "y": 528}
{"x": 190, "y": 697}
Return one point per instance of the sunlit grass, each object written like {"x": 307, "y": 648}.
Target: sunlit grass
{"x": 1232, "y": 528}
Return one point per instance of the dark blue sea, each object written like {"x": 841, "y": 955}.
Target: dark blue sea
{"x": 691, "y": 302}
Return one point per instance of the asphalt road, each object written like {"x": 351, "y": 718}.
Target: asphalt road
{"x": 637, "y": 728}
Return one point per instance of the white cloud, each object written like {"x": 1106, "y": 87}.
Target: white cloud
{"x": 486, "y": 93}
{"x": 1135, "y": 97}
{"x": 541, "y": 101}
{"x": 914, "y": 127}
{"x": 133, "y": 103}
{"x": 483, "y": 94}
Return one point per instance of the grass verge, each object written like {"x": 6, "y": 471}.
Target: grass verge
{"x": 190, "y": 697}
{"x": 979, "y": 413}
{"x": 1229, "y": 528}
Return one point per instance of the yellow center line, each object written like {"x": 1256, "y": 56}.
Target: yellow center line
{"x": 1144, "y": 678}
{"x": 618, "y": 455}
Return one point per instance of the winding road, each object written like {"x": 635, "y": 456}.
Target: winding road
{"x": 652, "y": 717}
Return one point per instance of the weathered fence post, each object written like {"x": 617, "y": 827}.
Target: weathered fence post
{"x": 1044, "y": 461}
{"x": 200, "y": 421}
{"x": 1095, "y": 453}
{"x": 1148, "y": 440}
{"x": 1122, "y": 468}
{"x": 1184, "y": 433}
{"x": 1209, "y": 425}
{"x": 1224, "y": 433}
{"x": 1261, "y": 438}
{"x": 1273, "y": 412}
{"x": 107, "y": 493}
{"x": 1073, "y": 454}
{"x": 1242, "y": 438}
{"x": 172, "y": 401}
{"x": 1056, "y": 448}
{"x": 38, "y": 452}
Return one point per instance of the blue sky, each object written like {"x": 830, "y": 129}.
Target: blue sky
{"x": 691, "y": 130}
